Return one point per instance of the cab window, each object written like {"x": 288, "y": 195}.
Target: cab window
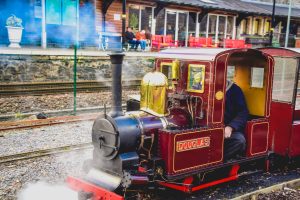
{"x": 166, "y": 69}
{"x": 284, "y": 79}
{"x": 297, "y": 106}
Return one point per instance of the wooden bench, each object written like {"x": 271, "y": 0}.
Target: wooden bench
{"x": 229, "y": 43}
{"x": 201, "y": 42}
{"x": 161, "y": 41}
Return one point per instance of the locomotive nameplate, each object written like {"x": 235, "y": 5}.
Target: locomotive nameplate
{"x": 197, "y": 143}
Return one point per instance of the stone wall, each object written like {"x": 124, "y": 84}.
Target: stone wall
{"x": 33, "y": 68}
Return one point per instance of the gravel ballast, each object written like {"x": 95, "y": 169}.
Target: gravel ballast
{"x": 27, "y": 140}
{"x": 54, "y": 169}
{"x": 27, "y": 104}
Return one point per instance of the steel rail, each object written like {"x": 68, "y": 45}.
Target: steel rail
{"x": 44, "y": 152}
{"x": 277, "y": 187}
{"x": 35, "y": 123}
{"x": 4, "y": 126}
{"x": 39, "y": 88}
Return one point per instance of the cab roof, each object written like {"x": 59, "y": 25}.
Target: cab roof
{"x": 282, "y": 52}
{"x": 208, "y": 54}
{"x": 203, "y": 54}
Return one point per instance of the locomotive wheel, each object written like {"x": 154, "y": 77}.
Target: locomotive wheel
{"x": 84, "y": 196}
{"x": 278, "y": 163}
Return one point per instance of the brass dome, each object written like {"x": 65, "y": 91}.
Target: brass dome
{"x": 154, "y": 79}
{"x": 153, "y": 93}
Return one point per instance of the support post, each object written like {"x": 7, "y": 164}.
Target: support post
{"x": 272, "y": 23}
{"x": 75, "y": 61}
{"x": 234, "y": 28}
{"x": 44, "y": 33}
{"x": 75, "y": 81}
{"x": 287, "y": 32}
{"x": 105, "y": 6}
{"x": 123, "y": 22}
{"x": 153, "y": 23}
{"x": 77, "y": 23}
{"x": 197, "y": 25}
{"x": 103, "y": 23}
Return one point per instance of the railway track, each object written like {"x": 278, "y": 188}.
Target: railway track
{"x": 44, "y": 152}
{"x": 35, "y": 123}
{"x": 4, "y": 126}
{"x": 40, "y": 88}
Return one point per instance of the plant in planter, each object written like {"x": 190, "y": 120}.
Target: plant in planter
{"x": 15, "y": 29}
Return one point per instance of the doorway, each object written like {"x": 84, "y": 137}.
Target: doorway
{"x": 176, "y": 24}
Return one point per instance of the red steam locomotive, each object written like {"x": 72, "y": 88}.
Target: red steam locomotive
{"x": 172, "y": 135}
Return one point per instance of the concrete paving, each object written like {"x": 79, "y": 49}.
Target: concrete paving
{"x": 68, "y": 52}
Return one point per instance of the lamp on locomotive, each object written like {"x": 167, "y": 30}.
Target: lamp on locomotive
{"x": 154, "y": 87}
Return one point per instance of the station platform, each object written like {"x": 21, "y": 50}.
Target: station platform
{"x": 68, "y": 52}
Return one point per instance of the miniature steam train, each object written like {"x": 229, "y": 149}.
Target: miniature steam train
{"x": 172, "y": 135}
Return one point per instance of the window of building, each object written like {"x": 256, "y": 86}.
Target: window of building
{"x": 258, "y": 26}
{"x": 230, "y": 27}
{"x": 243, "y": 27}
{"x": 203, "y": 27}
{"x": 53, "y": 12}
{"x": 182, "y": 28}
{"x": 171, "y": 23}
{"x": 249, "y": 25}
{"x": 277, "y": 31}
{"x": 267, "y": 27}
{"x": 160, "y": 23}
{"x": 146, "y": 18}
{"x": 212, "y": 26}
{"x": 220, "y": 26}
{"x": 192, "y": 24}
{"x": 175, "y": 23}
{"x": 255, "y": 26}
{"x": 69, "y": 11}
{"x": 134, "y": 13}
{"x": 61, "y": 12}
{"x": 140, "y": 17}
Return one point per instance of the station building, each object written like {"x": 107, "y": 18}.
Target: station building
{"x": 54, "y": 23}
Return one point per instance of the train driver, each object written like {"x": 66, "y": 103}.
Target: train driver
{"x": 235, "y": 119}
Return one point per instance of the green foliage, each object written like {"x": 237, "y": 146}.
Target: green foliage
{"x": 14, "y": 21}
{"x": 151, "y": 60}
{"x": 133, "y": 21}
{"x": 19, "y": 115}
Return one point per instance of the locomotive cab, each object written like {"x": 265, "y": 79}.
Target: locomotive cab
{"x": 200, "y": 88}
{"x": 253, "y": 74}
{"x": 285, "y": 107}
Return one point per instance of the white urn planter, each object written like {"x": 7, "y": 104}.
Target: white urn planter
{"x": 14, "y": 36}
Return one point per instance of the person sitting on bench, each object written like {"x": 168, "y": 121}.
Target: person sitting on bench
{"x": 130, "y": 38}
{"x": 235, "y": 119}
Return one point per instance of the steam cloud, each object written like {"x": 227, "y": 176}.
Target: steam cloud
{"x": 45, "y": 191}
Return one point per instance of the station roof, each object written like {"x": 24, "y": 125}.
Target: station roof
{"x": 239, "y": 6}
{"x": 280, "y": 10}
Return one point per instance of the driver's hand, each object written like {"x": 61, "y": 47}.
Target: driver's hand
{"x": 228, "y": 131}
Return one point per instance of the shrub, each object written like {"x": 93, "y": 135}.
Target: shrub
{"x": 14, "y": 21}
